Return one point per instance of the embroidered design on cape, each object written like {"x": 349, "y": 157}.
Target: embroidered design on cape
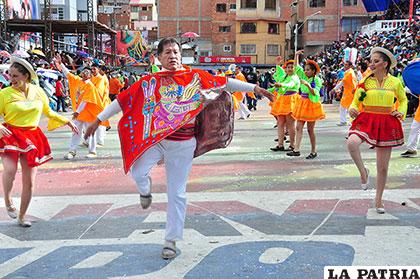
{"x": 175, "y": 103}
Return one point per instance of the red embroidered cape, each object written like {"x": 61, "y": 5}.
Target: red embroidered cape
{"x": 158, "y": 105}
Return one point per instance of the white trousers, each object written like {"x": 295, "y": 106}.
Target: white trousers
{"x": 76, "y": 138}
{"x": 100, "y": 134}
{"x": 413, "y": 139}
{"x": 243, "y": 110}
{"x": 343, "y": 114}
{"x": 178, "y": 157}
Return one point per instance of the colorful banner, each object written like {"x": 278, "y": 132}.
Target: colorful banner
{"x": 23, "y": 9}
{"x": 226, "y": 59}
{"x": 135, "y": 45}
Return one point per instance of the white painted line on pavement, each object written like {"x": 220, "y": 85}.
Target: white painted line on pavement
{"x": 98, "y": 260}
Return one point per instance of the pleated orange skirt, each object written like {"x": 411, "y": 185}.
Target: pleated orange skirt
{"x": 305, "y": 110}
{"x": 284, "y": 104}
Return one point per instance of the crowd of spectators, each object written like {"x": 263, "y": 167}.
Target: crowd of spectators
{"x": 399, "y": 9}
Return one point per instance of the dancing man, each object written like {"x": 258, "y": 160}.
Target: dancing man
{"x": 159, "y": 122}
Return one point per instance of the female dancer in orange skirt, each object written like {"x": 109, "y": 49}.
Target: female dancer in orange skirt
{"x": 379, "y": 124}
{"x": 22, "y": 105}
{"x": 308, "y": 107}
{"x": 285, "y": 91}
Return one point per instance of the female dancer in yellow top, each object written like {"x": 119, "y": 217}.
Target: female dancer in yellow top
{"x": 379, "y": 124}
{"x": 22, "y": 105}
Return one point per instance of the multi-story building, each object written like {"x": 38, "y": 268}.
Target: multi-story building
{"x": 322, "y": 22}
{"x": 223, "y": 25}
{"x": 143, "y": 15}
{"x": 176, "y": 17}
{"x": 118, "y": 19}
{"x": 260, "y": 30}
{"x": 114, "y": 13}
{"x": 68, "y": 9}
{"x": 115, "y": 5}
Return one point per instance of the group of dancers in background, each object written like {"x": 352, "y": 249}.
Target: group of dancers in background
{"x": 378, "y": 105}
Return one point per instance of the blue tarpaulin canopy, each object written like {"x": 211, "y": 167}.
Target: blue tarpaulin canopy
{"x": 378, "y": 5}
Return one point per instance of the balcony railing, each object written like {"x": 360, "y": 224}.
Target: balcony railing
{"x": 383, "y": 25}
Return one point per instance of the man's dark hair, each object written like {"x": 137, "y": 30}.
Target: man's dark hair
{"x": 167, "y": 41}
{"x": 363, "y": 66}
{"x": 59, "y": 78}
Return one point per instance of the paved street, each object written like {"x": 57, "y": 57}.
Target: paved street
{"x": 252, "y": 213}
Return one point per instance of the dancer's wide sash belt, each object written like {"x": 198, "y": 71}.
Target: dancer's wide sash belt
{"x": 378, "y": 109}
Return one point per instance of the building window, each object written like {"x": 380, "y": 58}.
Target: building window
{"x": 316, "y": 26}
{"x": 350, "y": 25}
{"x": 350, "y": 2}
{"x": 248, "y": 4}
{"x": 227, "y": 48}
{"x": 273, "y": 28}
{"x": 224, "y": 29}
{"x": 232, "y": 7}
{"x": 248, "y": 27}
{"x": 273, "y": 50}
{"x": 221, "y": 8}
{"x": 56, "y": 13}
{"x": 134, "y": 9}
{"x": 144, "y": 8}
{"x": 316, "y": 3}
{"x": 270, "y": 4}
{"x": 248, "y": 49}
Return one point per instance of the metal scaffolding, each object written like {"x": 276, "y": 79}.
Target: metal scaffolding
{"x": 47, "y": 37}
{"x": 91, "y": 27}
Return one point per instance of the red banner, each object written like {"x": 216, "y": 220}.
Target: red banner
{"x": 226, "y": 59}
